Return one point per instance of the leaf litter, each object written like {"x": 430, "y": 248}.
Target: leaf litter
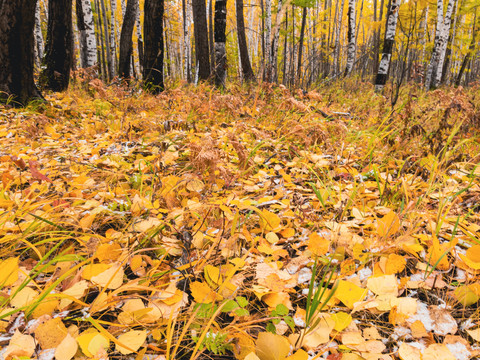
{"x": 193, "y": 224}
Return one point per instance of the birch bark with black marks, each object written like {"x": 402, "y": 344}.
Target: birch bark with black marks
{"x": 336, "y": 57}
{"x": 268, "y": 46}
{"x": 139, "y": 37}
{"x": 352, "y": 40}
{"x": 433, "y": 64}
{"x": 220, "y": 42}
{"x": 113, "y": 35}
{"x": 126, "y": 42}
{"x": 17, "y": 21}
{"x": 59, "y": 46}
{"x": 390, "y": 30}
{"x": 247, "y": 71}
{"x": 154, "y": 45}
{"x": 39, "y": 47}
{"x": 447, "y": 21}
{"x": 86, "y": 28}
{"x": 187, "y": 21}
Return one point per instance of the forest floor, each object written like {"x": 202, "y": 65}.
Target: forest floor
{"x": 253, "y": 223}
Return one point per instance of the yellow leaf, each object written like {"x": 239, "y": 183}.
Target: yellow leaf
{"x": 472, "y": 257}
{"x": 277, "y": 298}
{"x": 23, "y": 298}
{"x": 111, "y": 278}
{"x": 19, "y": 346}
{"x": 50, "y": 333}
{"x": 92, "y": 270}
{"x": 299, "y": 355}
{"x": 270, "y": 221}
{"x": 131, "y": 341}
{"x": 438, "y": 352}
{"x": 9, "y": 273}
{"x": 66, "y": 349}
{"x": 195, "y": 185}
{"x": 202, "y": 293}
{"x": 342, "y": 320}
{"x": 76, "y": 291}
{"x": 212, "y": 275}
{"x": 317, "y": 244}
{"x": 395, "y": 264}
{"x": 475, "y": 334}
{"x": 383, "y": 285}
{"x": 409, "y": 352}
{"x": 91, "y": 341}
{"x": 321, "y": 334}
{"x": 271, "y": 346}
{"x": 146, "y": 225}
{"x": 388, "y": 225}
{"x": 108, "y": 252}
{"x": 349, "y": 293}
{"x": 465, "y": 295}
{"x": 251, "y": 356}
{"x": 271, "y": 237}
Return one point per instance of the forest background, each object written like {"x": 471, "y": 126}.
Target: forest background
{"x": 187, "y": 180}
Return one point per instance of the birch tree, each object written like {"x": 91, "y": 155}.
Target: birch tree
{"x": 267, "y": 35}
{"x": 86, "y": 28}
{"x": 126, "y": 42}
{"x": 39, "y": 49}
{"x": 336, "y": 57}
{"x": 200, "y": 29}
{"x": 390, "y": 30}
{"x": 352, "y": 40}
{"x": 440, "y": 45}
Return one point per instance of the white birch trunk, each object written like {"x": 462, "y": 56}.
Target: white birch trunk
{"x": 390, "y": 30}
{"x": 447, "y": 21}
{"x": 432, "y": 66}
{"x": 113, "y": 34}
{"x": 275, "y": 36}
{"x": 187, "y": 21}
{"x": 336, "y": 56}
{"x": 39, "y": 49}
{"x": 425, "y": 36}
{"x": 138, "y": 66}
{"x": 267, "y": 35}
{"x": 123, "y": 5}
{"x": 352, "y": 41}
{"x": 88, "y": 43}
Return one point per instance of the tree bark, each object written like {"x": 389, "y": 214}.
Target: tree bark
{"x": 17, "y": 21}
{"x": 140, "y": 44}
{"x": 110, "y": 70}
{"x": 336, "y": 60}
{"x": 220, "y": 40}
{"x": 154, "y": 46}
{"x": 447, "y": 21}
{"x": 352, "y": 40}
{"x": 200, "y": 30}
{"x": 39, "y": 47}
{"x": 186, "y": 41}
{"x": 471, "y": 49}
{"x": 390, "y": 29}
{"x": 268, "y": 47}
{"x": 59, "y": 47}
{"x": 126, "y": 42}
{"x": 86, "y": 28}
{"x": 247, "y": 71}
{"x": 300, "y": 44}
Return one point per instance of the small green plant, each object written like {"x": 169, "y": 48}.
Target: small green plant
{"x": 317, "y": 297}
{"x": 280, "y": 313}
{"x": 216, "y": 342}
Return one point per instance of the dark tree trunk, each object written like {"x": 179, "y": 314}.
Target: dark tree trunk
{"x": 220, "y": 42}
{"x": 126, "y": 42}
{"x": 200, "y": 30}
{"x": 242, "y": 43}
{"x": 17, "y": 19}
{"x": 300, "y": 44}
{"x": 211, "y": 40}
{"x": 153, "y": 46}
{"x": 59, "y": 48}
